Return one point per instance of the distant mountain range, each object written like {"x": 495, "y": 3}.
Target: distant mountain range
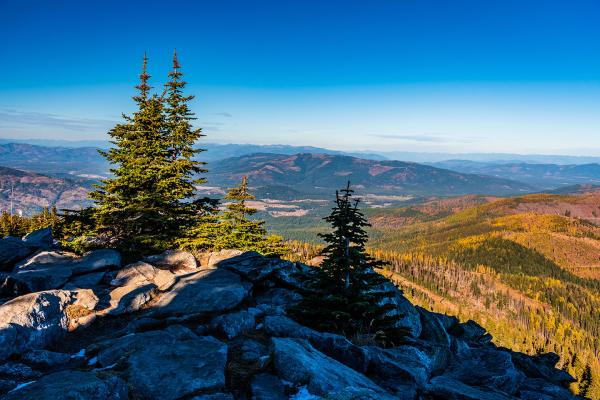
{"x": 310, "y": 174}
{"x": 543, "y": 176}
{"x": 28, "y": 192}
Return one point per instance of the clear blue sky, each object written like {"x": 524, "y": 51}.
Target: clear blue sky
{"x": 513, "y": 76}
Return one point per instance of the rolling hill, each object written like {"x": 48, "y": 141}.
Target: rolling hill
{"x": 321, "y": 174}
{"x": 545, "y": 176}
{"x": 28, "y": 192}
{"x": 527, "y": 268}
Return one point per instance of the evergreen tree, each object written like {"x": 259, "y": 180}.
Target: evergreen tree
{"x": 186, "y": 213}
{"x": 236, "y": 230}
{"x": 131, "y": 206}
{"x": 347, "y": 295}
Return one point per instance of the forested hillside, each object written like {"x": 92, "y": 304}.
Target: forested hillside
{"x": 526, "y": 268}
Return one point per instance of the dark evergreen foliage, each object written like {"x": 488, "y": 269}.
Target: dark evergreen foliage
{"x": 347, "y": 295}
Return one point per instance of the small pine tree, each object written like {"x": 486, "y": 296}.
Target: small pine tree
{"x": 346, "y": 294}
{"x": 236, "y": 230}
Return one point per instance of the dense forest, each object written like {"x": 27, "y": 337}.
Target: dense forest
{"x": 531, "y": 279}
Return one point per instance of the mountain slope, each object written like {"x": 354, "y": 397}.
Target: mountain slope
{"x": 28, "y": 192}
{"x": 547, "y": 176}
{"x": 323, "y": 173}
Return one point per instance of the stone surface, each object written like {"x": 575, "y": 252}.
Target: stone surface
{"x": 52, "y": 269}
{"x": 13, "y": 250}
{"x": 279, "y": 297}
{"x": 182, "y": 368}
{"x": 174, "y": 261}
{"x": 233, "y": 324}
{"x": 45, "y": 359}
{"x": 137, "y": 284}
{"x": 486, "y": 367}
{"x": 72, "y": 385}
{"x": 404, "y": 362}
{"x": 471, "y": 332}
{"x": 335, "y": 346}
{"x": 296, "y": 361}
{"x": 211, "y": 259}
{"x": 267, "y": 387}
{"x": 541, "y": 367}
{"x": 443, "y": 387}
{"x": 87, "y": 281}
{"x": 432, "y": 329}
{"x": 409, "y": 316}
{"x": 35, "y": 320}
{"x": 205, "y": 292}
{"x": 41, "y": 239}
{"x": 252, "y": 265}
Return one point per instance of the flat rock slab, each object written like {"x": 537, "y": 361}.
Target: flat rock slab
{"x": 253, "y": 266}
{"x": 35, "y": 320}
{"x": 168, "y": 364}
{"x": 52, "y": 269}
{"x": 202, "y": 293}
{"x": 178, "y": 369}
{"x": 447, "y": 388}
{"x": 72, "y": 385}
{"x": 174, "y": 261}
{"x": 296, "y": 361}
{"x": 12, "y": 250}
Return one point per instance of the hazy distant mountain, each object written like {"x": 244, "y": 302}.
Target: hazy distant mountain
{"x": 323, "y": 173}
{"x": 547, "y": 176}
{"x": 28, "y": 192}
{"x": 86, "y": 161}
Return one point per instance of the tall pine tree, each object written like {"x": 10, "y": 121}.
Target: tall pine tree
{"x": 129, "y": 205}
{"x": 183, "y": 172}
{"x": 150, "y": 203}
{"x": 347, "y": 295}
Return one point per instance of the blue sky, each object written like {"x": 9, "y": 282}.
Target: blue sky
{"x": 413, "y": 75}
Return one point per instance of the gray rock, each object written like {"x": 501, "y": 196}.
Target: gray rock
{"x": 13, "y": 250}
{"x": 72, "y": 385}
{"x": 432, "y": 328}
{"x": 335, "y": 346}
{"x": 250, "y": 351}
{"x": 41, "y": 239}
{"x": 17, "y": 371}
{"x": 544, "y": 390}
{"x": 486, "y": 367}
{"x": 279, "y": 297}
{"x": 541, "y": 367}
{"x": 52, "y": 269}
{"x": 447, "y": 321}
{"x": 472, "y": 333}
{"x": 181, "y": 368}
{"x": 443, "y": 387}
{"x": 174, "y": 261}
{"x": 267, "y": 387}
{"x": 46, "y": 359}
{"x": 293, "y": 275}
{"x": 403, "y": 362}
{"x": 233, "y": 325}
{"x": 252, "y": 266}
{"x": 35, "y": 320}
{"x": 214, "y": 396}
{"x": 202, "y": 293}
{"x": 211, "y": 259}
{"x": 296, "y": 361}
{"x": 112, "y": 351}
{"x": 408, "y": 315}
{"x": 137, "y": 284}
{"x": 87, "y": 281}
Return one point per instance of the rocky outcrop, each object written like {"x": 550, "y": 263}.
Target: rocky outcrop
{"x": 36, "y": 320}
{"x": 169, "y": 327}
